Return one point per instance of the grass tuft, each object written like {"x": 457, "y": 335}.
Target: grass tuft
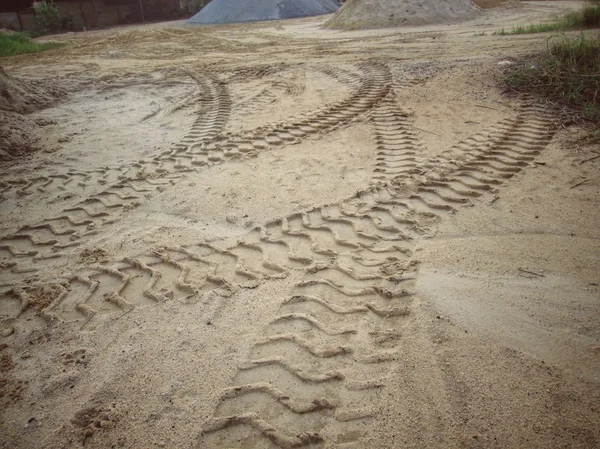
{"x": 587, "y": 17}
{"x": 567, "y": 74}
{"x": 20, "y": 43}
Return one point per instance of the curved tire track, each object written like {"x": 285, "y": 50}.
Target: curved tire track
{"x": 316, "y": 338}
{"x": 315, "y": 374}
{"x": 200, "y": 148}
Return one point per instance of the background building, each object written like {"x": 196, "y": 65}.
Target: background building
{"x": 89, "y": 14}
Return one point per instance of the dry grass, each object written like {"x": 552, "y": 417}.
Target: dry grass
{"x": 567, "y": 74}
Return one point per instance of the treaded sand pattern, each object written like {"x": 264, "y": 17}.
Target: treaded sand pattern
{"x": 203, "y": 146}
{"x": 316, "y": 375}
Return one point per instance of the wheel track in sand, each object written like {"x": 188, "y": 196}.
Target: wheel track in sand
{"x": 48, "y": 239}
{"x": 83, "y": 182}
{"x": 382, "y": 222}
{"x": 398, "y": 148}
{"x": 375, "y": 85}
{"x": 316, "y": 376}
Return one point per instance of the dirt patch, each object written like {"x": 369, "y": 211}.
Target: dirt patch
{"x": 18, "y": 133}
{"x": 11, "y": 388}
{"x": 24, "y": 97}
{"x": 94, "y": 419}
{"x": 18, "y": 136}
{"x": 94, "y": 255}
{"x": 42, "y": 296}
{"x": 6, "y": 362}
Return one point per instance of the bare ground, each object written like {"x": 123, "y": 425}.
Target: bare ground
{"x": 276, "y": 235}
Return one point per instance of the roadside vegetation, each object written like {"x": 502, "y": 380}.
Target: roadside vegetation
{"x": 48, "y": 20}
{"x": 567, "y": 74}
{"x": 19, "y": 43}
{"x": 587, "y": 17}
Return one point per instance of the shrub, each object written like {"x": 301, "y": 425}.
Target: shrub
{"x": 46, "y": 17}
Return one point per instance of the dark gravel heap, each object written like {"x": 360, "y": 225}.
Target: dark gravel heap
{"x": 228, "y": 11}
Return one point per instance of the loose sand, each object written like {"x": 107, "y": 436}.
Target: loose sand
{"x": 18, "y": 133}
{"x": 280, "y": 235}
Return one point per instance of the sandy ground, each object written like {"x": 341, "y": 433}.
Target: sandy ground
{"x": 278, "y": 235}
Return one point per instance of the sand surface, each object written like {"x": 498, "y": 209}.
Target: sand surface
{"x": 278, "y": 235}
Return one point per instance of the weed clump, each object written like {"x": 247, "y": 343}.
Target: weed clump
{"x": 567, "y": 74}
{"x": 18, "y": 43}
{"x": 587, "y": 17}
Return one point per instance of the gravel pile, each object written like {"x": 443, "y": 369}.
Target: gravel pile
{"x": 228, "y": 11}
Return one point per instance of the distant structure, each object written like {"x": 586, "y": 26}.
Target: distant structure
{"x": 19, "y": 15}
{"x": 231, "y": 11}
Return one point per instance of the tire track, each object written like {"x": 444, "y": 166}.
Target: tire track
{"x": 398, "y": 150}
{"x": 48, "y": 239}
{"x": 382, "y": 224}
{"x": 344, "y": 76}
{"x": 315, "y": 377}
{"x": 321, "y": 367}
{"x": 134, "y": 184}
{"x": 70, "y": 183}
{"x": 375, "y": 85}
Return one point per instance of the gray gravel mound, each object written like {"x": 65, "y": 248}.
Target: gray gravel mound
{"x": 228, "y": 11}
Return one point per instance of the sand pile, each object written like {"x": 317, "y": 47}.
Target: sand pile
{"x": 18, "y": 133}
{"x": 386, "y": 13}
{"x": 496, "y": 3}
{"x": 228, "y": 11}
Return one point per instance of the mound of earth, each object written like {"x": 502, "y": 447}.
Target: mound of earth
{"x": 495, "y": 3}
{"x": 387, "y": 13}
{"x": 229, "y": 11}
{"x": 18, "y": 133}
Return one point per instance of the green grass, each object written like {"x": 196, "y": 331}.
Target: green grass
{"x": 530, "y": 29}
{"x": 587, "y": 17}
{"x": 566, "y": 74}
{"x": 19, "y": 43}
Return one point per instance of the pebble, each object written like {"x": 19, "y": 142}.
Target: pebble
{"x": 7, "y": 331}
